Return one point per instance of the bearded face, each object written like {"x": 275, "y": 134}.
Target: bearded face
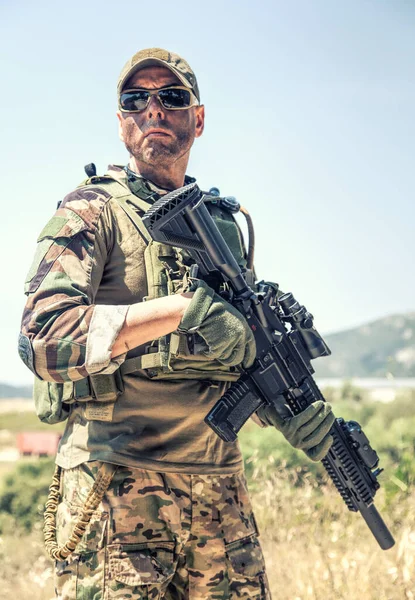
{"x": 159, "y": 140}
{"x": 156, "y": 136}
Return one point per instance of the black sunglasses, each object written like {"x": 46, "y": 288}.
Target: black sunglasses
{"x": 171, "y": 98}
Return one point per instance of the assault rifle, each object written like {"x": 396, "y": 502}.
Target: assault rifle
{"x": 286, "y": 342}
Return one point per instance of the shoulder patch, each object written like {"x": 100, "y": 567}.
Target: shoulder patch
{"x": 87, "y": 202}
{"x": 64, "y": 223}
{"x": 87, "y": 193}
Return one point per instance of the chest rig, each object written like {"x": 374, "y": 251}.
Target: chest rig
{"x": 174, "y": 356}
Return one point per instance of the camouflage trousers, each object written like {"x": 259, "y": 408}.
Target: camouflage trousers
{"x": 161, "y": 535}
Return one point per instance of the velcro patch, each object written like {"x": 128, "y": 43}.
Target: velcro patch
{"x": 26, "y": 352}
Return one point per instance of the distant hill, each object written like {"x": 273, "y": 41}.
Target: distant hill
{"x": 382, "y": 347}
{"x": 12, "y": 391}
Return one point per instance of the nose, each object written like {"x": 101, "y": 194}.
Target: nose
{"x": 155, "y": 109}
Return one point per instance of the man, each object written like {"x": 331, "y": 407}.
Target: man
{"x": 169, "y": 514}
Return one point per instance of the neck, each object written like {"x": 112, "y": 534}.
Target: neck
{"x": 170, "y": 177}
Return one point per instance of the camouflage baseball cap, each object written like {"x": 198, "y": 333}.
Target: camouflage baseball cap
{"x": 158, "y": 57}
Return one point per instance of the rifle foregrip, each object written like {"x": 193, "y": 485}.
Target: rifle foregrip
{"x": 234, "y": 408}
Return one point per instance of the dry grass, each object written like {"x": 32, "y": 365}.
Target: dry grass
{"x": 25, "y": 570}
{"x": 315, "y": 549}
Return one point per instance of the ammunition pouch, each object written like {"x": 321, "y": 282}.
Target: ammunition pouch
{"x": 171, "y": 359}
{"x": 53, "y": 400}
{"x": 98, "y": 388}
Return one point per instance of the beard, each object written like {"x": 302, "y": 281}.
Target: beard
{"x": 155, "y": 151}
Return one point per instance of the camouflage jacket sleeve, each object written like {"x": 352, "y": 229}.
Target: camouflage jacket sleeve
{"x": 64, "y": 335}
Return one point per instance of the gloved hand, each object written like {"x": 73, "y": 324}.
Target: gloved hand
{"x": 308, "y": 431}
{"x": 222, "y": 327}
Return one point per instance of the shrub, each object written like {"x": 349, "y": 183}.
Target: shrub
{"x": 390, "y": 428}
{"x": 23, "y": 494}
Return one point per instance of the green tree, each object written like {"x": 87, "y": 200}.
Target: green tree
{"x": 23, "y": 494}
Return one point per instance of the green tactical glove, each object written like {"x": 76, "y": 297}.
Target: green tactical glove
{"x": 222, "y": 327}
{"x": 308, "y": 431}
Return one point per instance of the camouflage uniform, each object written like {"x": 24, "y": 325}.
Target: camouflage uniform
{"x": 161, "y": 536}
{"x": 176, "y": 521}
{"x": 89, "y": 270}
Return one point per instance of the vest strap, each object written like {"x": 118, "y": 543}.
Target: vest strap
{"x": 146, "y": 361}
{"x": 126, "y": 205}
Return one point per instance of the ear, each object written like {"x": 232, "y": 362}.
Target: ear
{"x": 120, "y": 125}
{"x": 200, "y": 120}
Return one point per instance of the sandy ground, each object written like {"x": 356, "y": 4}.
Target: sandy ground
{"x": 16, "y": 405}
{"x": 9, "y": 455}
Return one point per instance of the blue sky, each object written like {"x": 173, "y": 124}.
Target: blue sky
{"x": 309, "y": 123}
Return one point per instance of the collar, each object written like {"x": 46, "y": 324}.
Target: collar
{"x": 141, "y": 187}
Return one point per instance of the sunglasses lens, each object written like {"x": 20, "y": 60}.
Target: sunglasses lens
{"x": 171, "y": 98}
{"x": 175, "y": 98}
{"x": 136, "y": 100}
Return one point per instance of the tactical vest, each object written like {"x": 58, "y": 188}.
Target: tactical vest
{"x": 167, "y": 272}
